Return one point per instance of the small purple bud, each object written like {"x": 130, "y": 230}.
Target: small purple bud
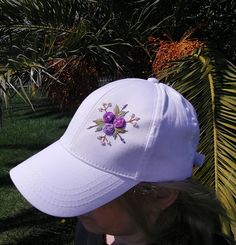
{"x": 119, "y": 122}
{"x": 108, "y": 129}
{"x": 108, "y": 117}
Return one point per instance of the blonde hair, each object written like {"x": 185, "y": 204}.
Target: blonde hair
{"x": 195, "y": 217}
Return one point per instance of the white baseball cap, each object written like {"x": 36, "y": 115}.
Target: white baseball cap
{"x": 129, "y": 131}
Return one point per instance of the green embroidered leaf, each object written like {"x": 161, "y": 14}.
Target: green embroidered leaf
{"x": 121, "y": 130}
{"x": 116, "y": 110}
{"x": 115, "y": 135}
{"x": 99, "y": 121}
{"x": 99, "y": 128}
{"x": 123, "y": 113}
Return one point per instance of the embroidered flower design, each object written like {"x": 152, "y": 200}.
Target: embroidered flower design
{"x": 113, "y": 123}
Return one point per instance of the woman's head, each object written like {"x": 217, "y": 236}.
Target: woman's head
{"x": 120, "y": 217}
{"x": 177, "y": 212}
{"x": 112, "y": 218}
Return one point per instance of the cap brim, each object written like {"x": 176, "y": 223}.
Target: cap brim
{"x": 59, "y": 184}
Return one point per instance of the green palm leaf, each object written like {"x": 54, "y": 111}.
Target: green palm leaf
{"x": 209, "y": 82}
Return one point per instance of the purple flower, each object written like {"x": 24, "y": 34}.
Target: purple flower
{"x": 108, "y": 117}
{"x": 119, "y": 122}
{"x": 113, "y": 123}
{"x": 108, "y": 129}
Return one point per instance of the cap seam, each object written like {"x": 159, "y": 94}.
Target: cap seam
{"x": 93, "y": 164}
{"x": 153, "y": 125}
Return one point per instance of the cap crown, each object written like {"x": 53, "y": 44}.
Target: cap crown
{"x": 162, "y": 148}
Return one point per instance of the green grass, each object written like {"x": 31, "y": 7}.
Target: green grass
{"x": 23, "y": 134}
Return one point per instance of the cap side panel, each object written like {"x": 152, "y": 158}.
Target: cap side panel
{"x": 153, "y": 129}
{"x": 118, "y": 158}
{"x": 171, "y": 154}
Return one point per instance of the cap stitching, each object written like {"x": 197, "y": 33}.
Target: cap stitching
{"x": 93, "y": 164}
{"x": 73, "y": 203}
{"x": 152, "y": 125}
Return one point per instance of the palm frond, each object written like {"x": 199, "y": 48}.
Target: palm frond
{"x": 20, "y": 77}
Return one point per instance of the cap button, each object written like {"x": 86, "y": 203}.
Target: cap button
{"x": 153, "y": 80}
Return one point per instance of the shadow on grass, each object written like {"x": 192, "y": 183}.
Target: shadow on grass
{"x": 48, "y": 110}
{"x": 32, "y": 147}
{"x": 43, "y": 108}
{"x": 48, "y": 229}
{"x": 13, "y": 161}
{"x": 5, "y": 180}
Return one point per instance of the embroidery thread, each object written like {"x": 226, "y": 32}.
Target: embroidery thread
{"x": 113, "y": 123}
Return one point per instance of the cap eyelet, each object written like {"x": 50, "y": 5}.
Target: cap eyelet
{"x": 153, "y": 80}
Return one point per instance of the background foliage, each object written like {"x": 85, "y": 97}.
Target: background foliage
{"x": 109, "y": 35}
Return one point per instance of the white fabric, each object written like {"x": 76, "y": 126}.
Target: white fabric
{"x": 77, "y": 173}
